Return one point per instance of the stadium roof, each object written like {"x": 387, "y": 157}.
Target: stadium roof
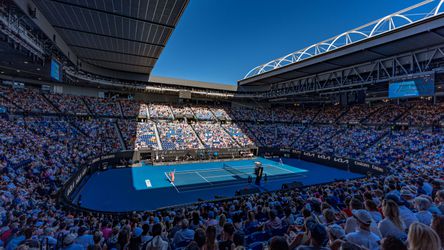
{"x": 120, "y": 35}
{"x": 416, "y": 27}
{"x": 193, "y": 84}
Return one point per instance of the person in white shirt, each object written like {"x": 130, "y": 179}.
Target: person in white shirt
{"x": 391, "y": 225}
{"x": 352, "y": 225}
{"x": 424, "y": 216}
{"x": 363, "y": 236}
{"x": 407, "y": 216}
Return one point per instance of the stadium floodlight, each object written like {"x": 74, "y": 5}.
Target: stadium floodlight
{"x": 402, "y": 18}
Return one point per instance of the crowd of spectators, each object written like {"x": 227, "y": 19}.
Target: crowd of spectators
{"x": 357, "y": 113}
{"x": 202, "y": 113}
{"x": 138, "y": 135}
{"x": 351, "y": 142}
{"x": 103, "y": 106}
{"x": 403, "y": 209}
{"x": 329, "y": 114}
{"x": 386, "y": 113}
{"x": 221, "y": 113}
{"x": 315, "y": 135}
{"x": 101, "y": 133}
{"x": 132, "y": 108}
{"x": 276, "y": 135}
{"x": 26, "y": 99}
{"x": 398, "y": 144}
{"x": 423, "y": 113}
{"x": 160, "y": 111}
{"x": 182, "y": 111}
{"x": 213, "y": 135}
{"x": 176, "y": 135}
{"x": 68, "y": 104}
{"x": 238, "y": 134}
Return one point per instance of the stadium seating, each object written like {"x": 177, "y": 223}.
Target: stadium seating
{"x": 39, "y": 151}
{"x": 177, "y": 135}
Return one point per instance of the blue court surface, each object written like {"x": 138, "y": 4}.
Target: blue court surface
{"x": 148, "y": 187}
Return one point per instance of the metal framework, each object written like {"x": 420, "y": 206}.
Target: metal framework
{"x": 415, "y": 13}
{"x": 383, "y": 70}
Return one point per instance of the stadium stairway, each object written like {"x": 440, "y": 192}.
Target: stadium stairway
{"x": 338, "y": 131}
{"x": 250, "y": 132}
{"x": 226, "y": 131}
{"x": 120, "y": 109}
{"x": 201, "y": 144}
{"x": 156, "y": 131}
{"x": 194, "y": 115}
{"x": 87, "y": 107}
{"x": 10, "y": 101}
{"x": 362, "y": 121}
{"x": 119, "y": 134}
{"x": 376, "y": 141}
{"x": 214, "y": 115}
{"x": 56, "y": 108}
{"x": 341, "y": 115}
{"x": 172, "y": 113}
{"x": 407, "y": 110}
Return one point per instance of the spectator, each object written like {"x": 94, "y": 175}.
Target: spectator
{"x": 440, "y": 199}
{"x": 200, "y": 237}
{"x": 317, "y": 237}
{"x": 363, "y": 237}
{"x": 423, "y": 214}
{"x": 422, "y": 237}
{"x": 184, "y": 235}
{"x": 84, "y": 238}
{"x": 438, "y": 226}
{"x": 392, "y": 225}
{"x": 278, "y": 243}
{"x": 211, "y": 242}
{"x": 227, "y": 237}
{"x": 391, "y": 243}
{"x": 69, "y": 243}
{"x": 157, "y": 243}
{"x": 239, "y": 241}
{"x": 273, "y": 222}
{"x": 406, "y": 215}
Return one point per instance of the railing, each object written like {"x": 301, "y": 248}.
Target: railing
{"x": 405, "y": 17}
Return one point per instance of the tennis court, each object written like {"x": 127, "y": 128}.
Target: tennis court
{"x": 227, "y": 174}
{"x": 147, "y": 187}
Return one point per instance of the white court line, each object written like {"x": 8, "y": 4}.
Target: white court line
{"x": 211, "y": 170}
{"x": 238, "y": 184}
{"x": 231, "y": 175}
{"x": 172, "y": 183}
{"x": 281, "y": 169}
{"x": 203, "y": 178}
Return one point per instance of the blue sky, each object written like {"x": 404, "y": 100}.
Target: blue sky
{"x": 221, "y": 40}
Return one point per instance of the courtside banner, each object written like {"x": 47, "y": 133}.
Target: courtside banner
{"x": 343, "y": 163}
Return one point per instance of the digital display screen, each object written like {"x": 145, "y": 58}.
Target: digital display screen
{"x": 55, "y": 70}
{"x": 424, "y": 86}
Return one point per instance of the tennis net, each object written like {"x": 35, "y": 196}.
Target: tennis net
{"x": 234, "y": 171}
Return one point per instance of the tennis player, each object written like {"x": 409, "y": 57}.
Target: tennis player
{"x": 172, "y": 175}
{"x": 281, "y": 163}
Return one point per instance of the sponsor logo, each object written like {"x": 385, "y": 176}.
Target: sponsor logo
{"x": 341, "y": 160}
{"x": 362, "y": 164}
{"x": 309, "y": 154}
{"x": 106, "y": 157}
{"x": 324, "y": 157}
